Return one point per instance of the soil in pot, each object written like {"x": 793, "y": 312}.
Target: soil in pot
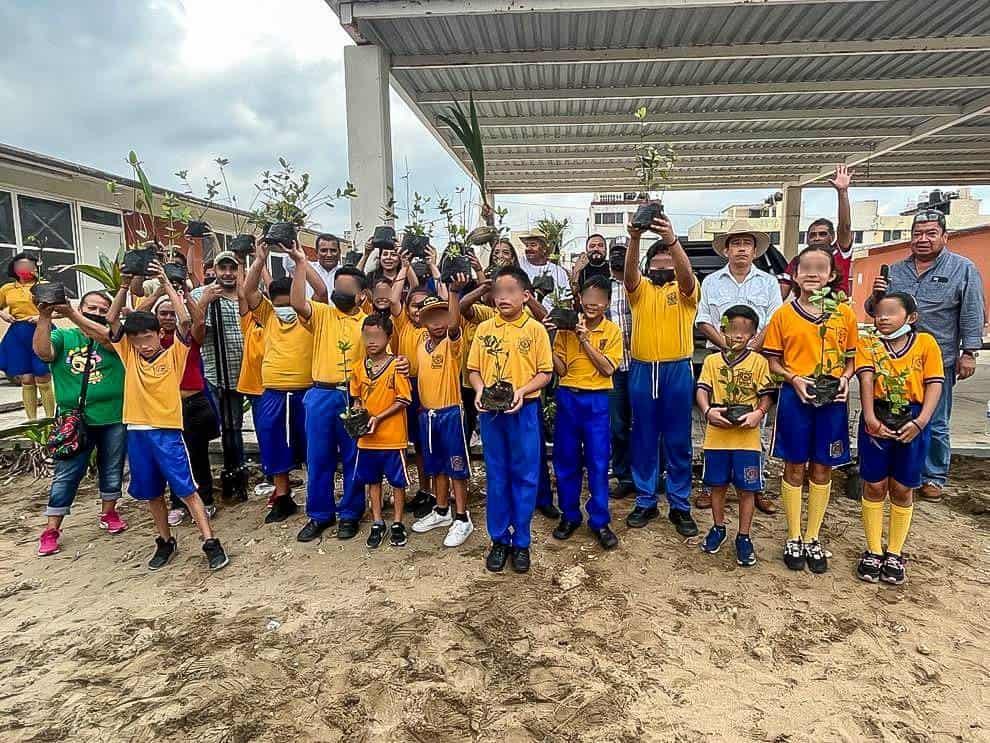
{"x": 356, "y": 422}
{"x": 415, "y": 245}
{"x": 887, "y": 416}
{"x": 49, "y": 292}
{"x": 498, "y": 397}
{"x": 352, "y": 258}
{"x": 242, "y": 244}
{"x": 825, "y": 389}
{"x": 543, "y": 285}
{"x": 197, "y": 229}
{"x": 645, "y": 215}
{"x": 175, "y": 273}
{"x": 563, "y": 318}
{"x": 421, "y": 269}
{"x": 454, "y": 265}
{"x": 136, "y": 262}
{"x": 735, "y": 413}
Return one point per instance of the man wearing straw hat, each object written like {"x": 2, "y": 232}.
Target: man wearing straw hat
{"x": 738, "y": 282}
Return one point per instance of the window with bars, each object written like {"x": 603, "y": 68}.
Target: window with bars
{"x": 46, "y": 226}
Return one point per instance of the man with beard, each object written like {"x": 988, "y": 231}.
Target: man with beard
{"x": 326, "y": 264}
{"x": 590, "y": 263}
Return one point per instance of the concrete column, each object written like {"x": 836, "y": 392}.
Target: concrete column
{"x": 369, "y": 136}
{"x": 790, "y": 222}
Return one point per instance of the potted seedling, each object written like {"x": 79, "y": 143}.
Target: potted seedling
{"x": 456, "y": 257}
{"x": 137, "y": 262}
{"x": 355, "y": 419}
{"x": 738, "y": 386}
{"x": 49, "y": 293}
{"x": 416, "y": 237}
{"x": 497, "y": 397}
{"x": 562, "y": 315}
{"x": 893, "y": 410}
{"x": 653, "y": 165}
{"x": 825, "y": 386}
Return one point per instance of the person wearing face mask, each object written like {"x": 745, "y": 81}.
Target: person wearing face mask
{"x": 17, "y": 358}
{"x": 70, "y": 352}
{"x": 592, "y": 262}
{"x": 661, "y": 382}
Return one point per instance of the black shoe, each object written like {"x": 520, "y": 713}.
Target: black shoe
{"x": 794, "y": 554}
{"x": 376, "y": 536}
{"x": 313, "y": 530}
{"x": 397, "y": 536}
{"x": 606, "y": 538}
{"x": 622, "y": 490}
{"x": 565, "y": 528}
{"x": 421, "y": 504}
{"x": 549, "y": 510}
{"x": 893, "y": 569}
{"x": 869, "y": 567}
{"x": 683, "y": 522}
{"x": 520, "y": 559}
{"x": 814, "y": 555}
{"x": 163, "y": 553}
{"x": 282, "y": 507}
{"x": 215, "y": 555}
{"x": 497, "y": 557}
{"x": 640, "y": 517}
{"x": 347, "y": 529}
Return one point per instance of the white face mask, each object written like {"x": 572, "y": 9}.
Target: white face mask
{"x": 285, "y": 314}
{"x": 899, "y": 333}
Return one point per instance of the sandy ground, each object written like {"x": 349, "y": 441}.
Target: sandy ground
{"x": 328, "y": 642}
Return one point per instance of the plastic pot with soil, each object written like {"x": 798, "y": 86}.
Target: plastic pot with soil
{"x": 176, "y": 274}
{"x": 415, "y": 245}
{"x": 136, "y": 262}
{"x": 352, "y": 258}
{"x": 893, "y": 419}
{"x": 646, "y": 213}
{"x": 563, "y": 318}
{"x": 356, "y": 421}
{"x": 242, "y": 244}
{"x": 49, "y": 292}
{"x": 498, "y": 397}
{"x": 543, "y": 285}
{"x": 825, "y": 389}
{"x": 198, "y": 228}
{"x": 735, "y": 413}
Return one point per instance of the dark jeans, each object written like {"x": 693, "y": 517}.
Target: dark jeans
{"x": 110, "y": 443}
{"x": 233, "y": 439}
{"x": 200, "y": 427}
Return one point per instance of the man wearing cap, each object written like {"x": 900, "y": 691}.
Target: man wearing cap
{"x": 738, "y": 282}
{"x": 949, "y": 292}
{"x": 326, "y": 264}
{"x": 535, "y": 261}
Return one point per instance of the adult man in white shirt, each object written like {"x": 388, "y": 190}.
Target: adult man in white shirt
{"x": 326, "y": 264}
{"x": 535, "y": 261}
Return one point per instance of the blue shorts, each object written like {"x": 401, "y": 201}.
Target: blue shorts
{"x": 17, "y": 357}
{"x": 883, "y": 458}
{"x": 804, "y": 433}
{"x": 158, "y": 457}
{"x": 280, "y": 425}
{"x": 441, "y": 433}
{"x": 374, "y": 464}
{"x": 743, "y": 469}
{"x": 412, "y": 414}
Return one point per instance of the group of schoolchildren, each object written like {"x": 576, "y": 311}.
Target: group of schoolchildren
{"x": 397, "y": 353}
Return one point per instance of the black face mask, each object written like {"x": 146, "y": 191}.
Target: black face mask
{"x": 661, "y": 276}
{"x": 343, "y": 301}
{"x": 99, "y": 319}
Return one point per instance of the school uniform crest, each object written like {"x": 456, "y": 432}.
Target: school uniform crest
{"x": 602, "y": 343}
{"x": 436, "y": 361}
{"x": 751, "y": 474}
{"x": 524, "y": 345}
{"x": 836, "y": 449}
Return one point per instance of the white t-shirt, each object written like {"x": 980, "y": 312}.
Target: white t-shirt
{"x": 561, "y": 278}
{"x": 327, "y": 276}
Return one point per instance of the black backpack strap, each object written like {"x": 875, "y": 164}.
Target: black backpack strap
{"x": 85, "y": 379}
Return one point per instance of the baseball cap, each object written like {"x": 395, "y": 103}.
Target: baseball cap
{"x": 432, "y": 302}
{"x": 225, "y": 255}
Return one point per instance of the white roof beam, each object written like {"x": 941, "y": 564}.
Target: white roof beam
{"x": 770, "y": 135}
{"x": 960, "y": 162}
{"x": 697, "y": 53}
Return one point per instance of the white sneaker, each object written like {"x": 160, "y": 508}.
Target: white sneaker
{"x": 475, "y": 439}
{"x": 175, "y": 516}
{"x": 458, "y": 533}
{"x": 263, "y": 489}
{"x": 432, "y": 520}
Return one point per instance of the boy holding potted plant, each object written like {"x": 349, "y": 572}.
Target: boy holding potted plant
{"x": 734, "y": 395}
{"x": 441, "y": 420}
{"x": 383, "y": 391}
{"x": 509, "y": 363}
{"x": 900, "y": 380}
{"x": 811, "y": 344}
{"x": 585, "y": 359}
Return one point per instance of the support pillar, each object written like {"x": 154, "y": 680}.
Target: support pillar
{"x": 369, "y": 136}
{"x": 790, "y": 222}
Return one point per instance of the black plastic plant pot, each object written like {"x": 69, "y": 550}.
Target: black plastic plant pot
{"x": 415, "y": 245}
{"x": 454, "y": 265}
{"x": 136, "y": 262}
{"x": 175, "y": 273}
{"x": 825, "y": 389}
{"x": 352, "y": 258}
{"x": 895, "y": 421}
{"x": 563, "y": 318}
{"x": 356, "y": 422}
{"x": 280, "y": 236}
{"x": 198, "y": 229}
{"x": 498, "y": 397}
{"x": 50, "y": 292}
{"x": 384, "y": 237}
{"x": 543, "y": 285}
{"x": 422, "y": 270}
{"x": 645, "y": 215}
{"x": 242, "y": 244}
{"x": 735, "y": 413}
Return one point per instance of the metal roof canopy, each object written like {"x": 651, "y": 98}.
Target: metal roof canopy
{"x": 768, "y": 93}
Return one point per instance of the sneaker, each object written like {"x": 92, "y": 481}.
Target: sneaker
{"x": 112, "y": 522}
{"x": 814, "y": 554}
{"x": 893, "y": 569}
{"x": 264, "y": 489}
{"x": 794, "y": 554}
{"x": 520, "y": 559}
{"x": 397, "y": 534}
{"x": 433, "y": 520}
{"x": 282, "y": 507}
{"x": 176, "y": 516}
{"x": 497, "y": 557}
{"x": 421, "y": 504}
{"x": 376, "y": 536}
{"x": 164, "y": 552}
{"x": 715, "y": 539}
{"x": 458, "y": 533}
{"x": 683, "y": 522}
{"x": 48, "y": 542}
{"x": 745, "y": 552}
{"x": 869, "y": 567}
{"x": 215, "y": 555}
{"x": 475, "y": 440}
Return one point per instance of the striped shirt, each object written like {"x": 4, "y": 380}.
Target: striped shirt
{"x": 620, "y": 313}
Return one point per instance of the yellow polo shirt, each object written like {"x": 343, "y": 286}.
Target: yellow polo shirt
{"x": 410, "y": 339}
{"x": 16, "y": 298}
{"x": 151, "y": 388}
{"x": 439, "y": 376}
{"x": 249, "y": 379}
{"x": 331, "y": 329}
{"x": 525, "y": 351}
{"x": 794, "y": 336}
{"x": 288, "y": 360}
{"x": 581, "y": 373}
{"x": 468, "y": 329}
{"x": 662, "y": 321}
{"x": 752, "y": 373}
{"x": 921, "y": 357}
{"x": 377, "y": 394}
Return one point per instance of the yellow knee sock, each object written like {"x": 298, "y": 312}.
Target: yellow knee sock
{"x": 900, "y": 522}
{"x": 47, "y": 393}
{"x": 29, "y": 394}
{"x": 818, "y": 496}
{"x": 790, "y": 496}
{"x": 873, "y": 525}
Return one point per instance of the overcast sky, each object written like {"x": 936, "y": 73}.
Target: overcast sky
{"x": 184, "y": 81}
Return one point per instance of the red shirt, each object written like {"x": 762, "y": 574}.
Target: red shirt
{"x": 843, "y": 264}
{"x": 192, "y": 378}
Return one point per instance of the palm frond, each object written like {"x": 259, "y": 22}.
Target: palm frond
{"x": 466, "y": 129}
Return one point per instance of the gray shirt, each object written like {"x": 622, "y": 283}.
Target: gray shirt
{"x": 950, "y": 301}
